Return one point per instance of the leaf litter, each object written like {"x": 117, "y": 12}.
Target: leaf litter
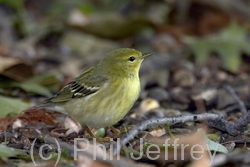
{"x": 207, "y": 73}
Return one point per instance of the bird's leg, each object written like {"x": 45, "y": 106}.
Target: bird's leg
{"x": 103, "y": 140}
{"x": 98, "y": 139}
{"x": 89, "y": 131}
{"x": 116, "y": 132}
{"x": 126, "y": 129}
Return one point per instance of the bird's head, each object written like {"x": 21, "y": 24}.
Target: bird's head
{"x": 124, "y": 61}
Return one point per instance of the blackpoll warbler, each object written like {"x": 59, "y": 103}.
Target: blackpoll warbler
{"x": 103, "y": 94}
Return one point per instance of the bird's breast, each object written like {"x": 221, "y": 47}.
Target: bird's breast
{"x": 108, "y": 105}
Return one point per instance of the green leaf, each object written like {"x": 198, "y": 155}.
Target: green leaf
{"x": 51, "y": 80}
{"x": 216, "y": 147}
{"x": 100, "y": 132}
{"x": 229, "y": 44}
{"x": 19, "y": 5}
{"x": 213, "y": 137}
{"x": 10, "y": 106}
{"x": 32, "y": 87}
{"x": 86, "y": 8}
{"x": 6, "y": 152}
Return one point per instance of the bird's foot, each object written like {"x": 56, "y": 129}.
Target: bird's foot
{"x": 103, "y": 140}
{"x": 116, "y": 132}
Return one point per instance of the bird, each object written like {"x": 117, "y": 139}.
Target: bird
{"x": 102, "y": 95}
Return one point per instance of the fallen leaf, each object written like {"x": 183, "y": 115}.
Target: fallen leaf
{"x": 6, "y": 152}
{"x": 15, "y": 68}
{"x": 36, "y": 117}
{"x": 32, "y": 87}
{"x": 229, "y": 44}
{"x": 10, "y": 106}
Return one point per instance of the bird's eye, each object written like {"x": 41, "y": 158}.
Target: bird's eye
{"x": 131, "y": 58}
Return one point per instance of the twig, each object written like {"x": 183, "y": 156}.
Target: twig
{"x": 171, "y": 121}
{"x": 237, "y": 99}
{"x": 243, "y": 121}
{"x": 214, "y": 121}
{"x": 231, "y": 108}
{"x": 144, "y": 125}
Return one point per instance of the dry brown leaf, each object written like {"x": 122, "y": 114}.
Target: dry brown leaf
{"x": 18, "y": 72}
{"x": 149, "y": 104}
{"x": 192, "y": 147}
{"x": 36, "y": 117}
{"x": 184, "y": 77}
{"x": 7, "y": 62}
{"x": 5, "y": 122}
{"x": 72, "y": 125}
{"x": 158, "y": 132}
{"x": 14, "y": 68}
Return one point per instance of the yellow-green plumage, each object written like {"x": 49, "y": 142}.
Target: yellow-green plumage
{"x": 103, "y": 94}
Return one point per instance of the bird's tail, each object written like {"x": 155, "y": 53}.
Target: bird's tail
{"x": 49, "y": 107}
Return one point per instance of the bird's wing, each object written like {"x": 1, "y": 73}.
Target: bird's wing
{"x": 84, "y": 85}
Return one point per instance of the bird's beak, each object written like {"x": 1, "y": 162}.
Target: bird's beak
{"x": 144, "y": 55}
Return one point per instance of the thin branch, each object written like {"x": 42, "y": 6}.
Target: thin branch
{"x": 231, "y": 108}
{"x": 243, "y": 121}
{"x": 237, "y": 99}
{"x": 171, "y": 121}
{"x": 214, "y": 121}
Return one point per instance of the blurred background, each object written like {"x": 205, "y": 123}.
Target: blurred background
{"x": 197, "y": 45}
{"x": 201, "y": 63}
